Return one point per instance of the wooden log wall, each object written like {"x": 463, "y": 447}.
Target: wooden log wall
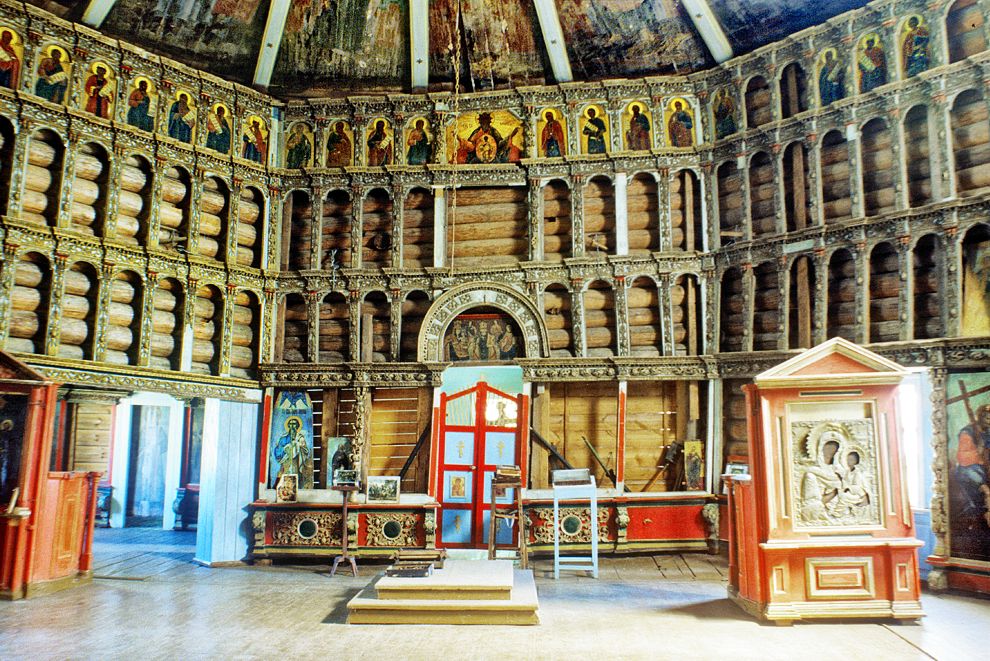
{"x": 417, "y": 229}
{"x": 599, "y": 216}
{"x": 801, "y": 304}
{"x": 836, "y": 192}
{"x": 43, "y": 178}
{"x": 731, "y": 310}
{"x": 685, "y": 303}
{"x": 556, "y": 221}
{"x": 377, "y": 309}
{"x": 879, "y": 168}
{"x": 971, "y": 143}
{"x": 123, "y": 332}
{"x": 214, "y": 216}
{"x": 645, "y": 331}
{"x": 601, "y": 335}
{"x": 579, "y": 411}
{"x": 29, "y": 301}
{"x": 79, "y": 304}
{"x": 762, "y": 186}
{"x": 414, "y": 308}
{"x": 796, "y": 187}
{"x": 730, "y": 203}
{"x": 338, "y": 214}
{"x": 686, "y": 212}
{"x": 295, "y": 329}
{"x": 297, "y": 231}
{"x": 734, "y": 434}
{"x": 89, "y": 190}
{"x": 759, "y": 107}
{"x": 793, "y": 91}
{"x": 335, "y": 329}
{"x": 917, "y": 156}
{"x": 134, "y": 200}
{"x": 643, "y": 214}
{"x": 207, "y": 330}
{"x": 166, "y": 338}
{"x": 558, "y": 319}
{"x": 651, "y": 426}
{"x": 766, "y": 310}
{"x": 964, "y": 30}
{"x": 398, "y": 418}
{"x": 175, "y": 209}
{"x": 249, "y": 222}
{"x": 378, "y": 217}
{"x": 927, "y": 306}
{"x": 488, "y": 226}
{"x": 885, "y": 289}
{"x": 245, "y": 335}
{"x": 843, "y": 319}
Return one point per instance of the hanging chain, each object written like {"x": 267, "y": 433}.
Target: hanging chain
{"x": 456, "y": 112}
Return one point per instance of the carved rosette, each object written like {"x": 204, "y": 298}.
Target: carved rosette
{"x": 541, "y": 523}
{"x": 402, "y": 534}
{"x": 286, "y": 529}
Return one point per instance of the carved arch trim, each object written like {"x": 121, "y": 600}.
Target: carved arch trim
{"x": 451, "y": 303}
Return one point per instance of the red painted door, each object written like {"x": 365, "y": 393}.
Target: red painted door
{"x": 479, "y": 430}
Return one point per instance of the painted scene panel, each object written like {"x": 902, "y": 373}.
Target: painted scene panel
{"x": 222, "y": 36}
{"x": 749, "y": 24}
{"x": 504, "y": 45}
{"x": 482, "y": 337}
{"x": 335, "y": 46}
{"x": 611, "y": 38}
{"x": 968, "y": 421}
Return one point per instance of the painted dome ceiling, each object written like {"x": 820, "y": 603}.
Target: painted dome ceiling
{"x": 336, "y": 47}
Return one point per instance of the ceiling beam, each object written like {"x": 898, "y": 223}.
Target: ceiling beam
{"x": 553, "y": 39}
{"x": 271, "y": 41}
{"x": 419, "y": 43}
{"x": 96, "y": 12}
{"x": 710, "y": 29}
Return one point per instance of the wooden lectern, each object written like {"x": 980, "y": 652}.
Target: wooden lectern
{"x": 822, "y": 527}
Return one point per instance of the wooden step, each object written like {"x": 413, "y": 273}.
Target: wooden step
{"x": 458, "y": 580}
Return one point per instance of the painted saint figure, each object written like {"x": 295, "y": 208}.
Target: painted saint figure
{"x": 872, "y": 65}
{"x": 298, "y": 148}
{"x": 418, "y": 143}
{"x": 339, "y": 147}
{"x": 218, "y": 132}
{"x": 379, "y": 145}
{"x": 915, "y": 49}
{"x": 99, "y": 93}
{"x": 725, "y": 114}
{"x": 638, "y": 135}
{"x": 293, "y": 454}
{"x": 596, "y": 131}
{"x": 486, "y": 144}
{"x": 552, "y": 139}
{"x": 680, "y": 126}
{"x": 139, "y": 108}
{"x": 970, "y": 473}
{"x": 831, "y": 79}
{"x": 182, "y": 119}
{"x": 255, "y": 146}
{"x": 53, "y": 79}
{"x": 10, "y": 64}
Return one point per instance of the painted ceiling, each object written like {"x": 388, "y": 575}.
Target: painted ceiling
{"x": 336, "y": 47}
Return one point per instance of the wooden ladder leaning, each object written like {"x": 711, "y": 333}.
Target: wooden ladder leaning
{"x": 505, "y": 478}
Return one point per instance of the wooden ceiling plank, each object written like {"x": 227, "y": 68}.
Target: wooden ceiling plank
{"x": 710, "y": 29}
{"x": 419, "y": 42}
{"x": 96, "y": 12}
{"x": 553, "y": 39}
{"x": 270, "y": 42}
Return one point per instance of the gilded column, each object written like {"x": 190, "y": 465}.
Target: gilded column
{"x": 783, "y": 300}
{"x": 666, "y": 313}
{"x": 19, "y": 162}
{"x": 233, "y": 221}
{"x": 944, "y": 187}
{"x": 395, "y": 324}
{"x": 951, "y": 287}
{"x": 361, "y": 447}
{"x": 819, "y": 313}
{"x": 937, "y": 579}
{"x": 107, "y": 276}
{"x": 8, "y": 269}
{"x": 621, "y": 317}
{"x": 357, "y": 226}
{"x": 747, "y": 202}
{"x": 777, "y": 164}
{"x": 898, "y": 148}
{"x": 269, "y": 314}
{"x": 710, "y": 211}
{"x": 665, "y": 241}
{"x": 154, "y": 219}
{"x": 113, "y": 193}
{"x": 192, "y": 244}
{"x": 147, "y": 318}
{"x": 749, "y": 295}
{"x": 68, "y": 177}
{"x": 577, "y": 215}
{"x": 814, "y": 147}
{"x": 862, "y": 262}
{"x": 577, "y": 318}
{"x": 315, "y": 233}
{"x": 227, "y": 332}
{"x": 854, "y": 145}
{"x": 398, "y": 225}
{"x": 354, "y": 328}
{"x": 536, "y": 211}
{"x": 57, "y": 290}
{"x": 188, "y": 322}
{"x": 905, "y": 302}
{"x": 313, "y": 328}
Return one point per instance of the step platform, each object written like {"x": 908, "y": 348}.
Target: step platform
{"x": 463, "y": 592}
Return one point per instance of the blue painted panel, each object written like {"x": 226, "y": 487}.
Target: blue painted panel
{"x": 500, "y": 448}
{"x": 456, "y": 526}
{"x": 508, "y": 497}
{"x": 458, "y": 487}
{"x": 458, "y": 447}
{"x": 923, "y": 531}
{"x": 503, "y": 533}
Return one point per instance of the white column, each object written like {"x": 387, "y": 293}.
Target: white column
{"x": 553, "y": 39}
{"x": 621, "y": 215}
{"x": 271, "y": 41}
{"x": 439, "y": 227}
{"x": 419, "y": 40}
{"x": 120, "y": 463}
{"x": 709, "y": 28}
{"x": 97, "y": 12}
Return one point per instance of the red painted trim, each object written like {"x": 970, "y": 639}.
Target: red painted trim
{"x": 620, "y": 441}
{"x": 266, "y": 424}
{"x": 108, "y": 479}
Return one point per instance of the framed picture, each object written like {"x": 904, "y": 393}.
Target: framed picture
{"x": 345, "y": 477}
{"x": 383, "y": 488}
{"x": 734, "y": 468}
{"x": 287, "y": 489}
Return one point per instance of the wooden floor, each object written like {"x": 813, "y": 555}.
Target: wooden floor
{"x": 138, "y": 554}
